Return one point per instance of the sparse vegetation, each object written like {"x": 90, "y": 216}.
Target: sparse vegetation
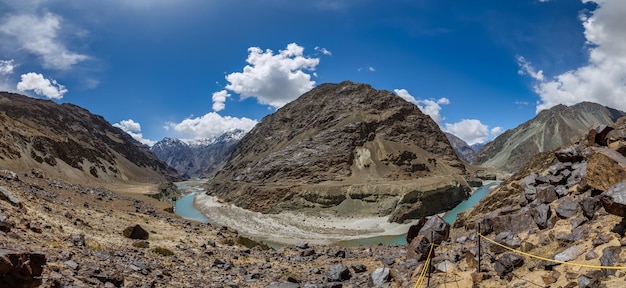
{"x": 162, "y": 251}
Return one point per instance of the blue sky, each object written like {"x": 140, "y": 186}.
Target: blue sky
{"x": 195, "y": 68}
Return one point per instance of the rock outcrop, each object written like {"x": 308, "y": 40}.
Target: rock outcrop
{"x": 68, "y": 142}
{"x": 549, "y": 130}
{"x": 344, "y": 144}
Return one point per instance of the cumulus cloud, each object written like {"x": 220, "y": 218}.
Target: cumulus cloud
{"x": 6, "y": 67}
{"x": 219, "y": 100}
{"x": 430, "y": 107}
{"x": 273, "y": 79}
{"x": 39, "y": 35}
{"x": 603, "y": 78}
{"x": 495, "y": 131}
{"x": 323, "y": 50}
{"x": 210, "y": 125}
{"x": 48, "y": 88}
{"x": 134, "y": 130}
{"x": 471, "y": 131}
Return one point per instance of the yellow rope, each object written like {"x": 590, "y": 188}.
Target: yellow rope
{"x": 425, "y": 268}
{"x": 552, "y": 260}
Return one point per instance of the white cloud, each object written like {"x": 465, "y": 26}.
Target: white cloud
{"x": 472, "y": 131}
{"x": 274, "y": 79}
{"x": 495, "y": 131}
{"x": 210, "y": 125}
{"x": 430, "y": 107}
{"x": 134, "y": 130}
{"x": 603, "y": 78}
{"x": 323, "y": 50}
{"x": 527, "y": 69}
{"x": 219, "y": 100}
{"x": 48, "y": 88}
{"x": 6, "y": 67}
{"x": 38, "y": 35}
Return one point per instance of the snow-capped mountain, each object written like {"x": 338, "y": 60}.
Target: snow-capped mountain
{"x": 197, "y": 158}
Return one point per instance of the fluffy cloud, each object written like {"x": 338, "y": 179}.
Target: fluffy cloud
{"x": 134, "y": 130}
{"x": 495, "y": 131}
{"x": 219, "y": 100}
{"x": 210, "y": 125}
{"x": 6, "y": 67}
{"x": 430, "y": 107}
{"x": 273, "y": 79}
{"x": 602, "y": 79}
{"x": 471, "y": 131}
{"x": 38, "y": 35}
{"x": 48, "y": 88}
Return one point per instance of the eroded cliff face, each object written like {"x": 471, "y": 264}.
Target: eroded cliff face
{"x": 313, "y": 151}
{"x": 68, "y": 142}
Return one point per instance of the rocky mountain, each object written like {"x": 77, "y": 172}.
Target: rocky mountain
{"x": 197, "y": 158}
{"x": 68, "y": 142}
{"x": 550, "y": 129}
{"x": 346, "y": 147}
{"x": 461, "y": 148}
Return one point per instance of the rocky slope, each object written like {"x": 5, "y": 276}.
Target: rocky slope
{"x": 67, "y": 142}
{"x": 466, "y": 152}
{"x": 550, "y": 129}
{"x": 345, "y": 144}
{"x": 198, "y": 158}
{"x": 566, "y": 205}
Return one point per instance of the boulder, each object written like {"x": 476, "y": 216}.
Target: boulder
{"x": 566, "y": 208}
{"x": 358, "y": 268}
{"x": 433, "y": 227}
{"x": 546, "y": 193}
{"x": 7, "y": 196}
{"x": 541, "y": 214}
{"x": 338, "y": 273}
{"x": 605, "y": 168}
{"x": 419, "y": 248}
{"x": 21, "y": 269}
{"x": 506, "y": 263}
{"x": 598, "y": 135}
{"x": 614, "y": 199}
{"x": 570, "y": 154}
{"x": 610, "y": 255}
{"x": 589, "y": 206}
{"x": 569, "y": 254}
{"x": 380, "y": 277}
{"x": 136, "y": 232}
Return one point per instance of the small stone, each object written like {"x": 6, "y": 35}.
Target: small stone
{"x": 380, "y": 276}
{"x": 72, "y": 264}
{"x": 136, "y": 232}
{"x": 338, "y": 273}
{"x": 358, "y": 268}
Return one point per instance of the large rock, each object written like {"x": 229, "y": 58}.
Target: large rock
{"x": 589, "y": 206}
{"x": 136, "y": 232}
{"x": 570, "y": 154}
{"x": 541, "y": 214}
{"x": 19, "y": 269}
{"x": 605, "y": 168}
{"x": 566, "y": 208}
{"x": 380, "y": 277}
{"x": 546, "y": 193}
{"x": 338, "y": 273}
{"x": 418, "y": 248}
{"x": 569, "y": 254}
{"x": 506, "y": 263}
{"x": 610, "y": 255}
{"x": 7, "y": 196}
{"x": 434, "y": 228}
{"x": 614, "y": 199}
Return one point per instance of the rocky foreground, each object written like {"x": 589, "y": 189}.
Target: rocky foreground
{"x": 54, "y": 234}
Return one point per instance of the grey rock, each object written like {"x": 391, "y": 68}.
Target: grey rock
{"x": 546, "y": 193}
{"x": 610, "y": 255}
{"x": 589, "y": 206}
{"x": 506, "y": 263}
{"x": 541, "y": 214}
{"x": 380, "y": 276}
{"x": 614, "y": 199}
{"x": 566, "y": 208}
{"x": 338, "y": 273}
{"x": 358, "y": 268}
{"x": 9, "y": 197}
{"x": 569, "y": 254}
{"x": 570, "y": 154}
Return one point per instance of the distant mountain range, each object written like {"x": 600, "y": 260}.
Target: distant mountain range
{"x": 550, "y": 129}
{"x": 68, "y": 142}
{"x": 462, "y": 149}
{"x": 197, "y": 158}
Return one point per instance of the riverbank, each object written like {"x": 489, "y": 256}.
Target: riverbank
{"x": 290, "y": 228}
